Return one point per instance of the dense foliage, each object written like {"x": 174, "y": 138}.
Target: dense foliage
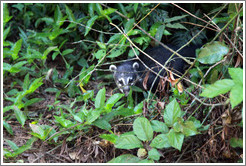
{"x": 57, "y": 87}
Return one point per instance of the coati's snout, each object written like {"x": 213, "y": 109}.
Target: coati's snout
{"x": 125, "y": 75}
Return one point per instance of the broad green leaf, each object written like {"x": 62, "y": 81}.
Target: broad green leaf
{"x": 25, "y": 147}
{"x": 8, "y": 127}
{"x": 100, "y": 54}
{"x": 6, "y": 16}
{"x": 6, "y": 66}
{"x": 212, "y": 52}
{"x": 128, "y": 142}
{"x": 112, "y": 100}
{"x": 154, "y": 28}
{"x": 172, "y": 112}
{"x": 143, "y": 129}
{"x": 160, "y": 142}
{"x": 15, "y": 49}
{"x": 189, "y": 129}
{"x": 236, "y": 75}
{"x": 138, "y": 108}
{"x": 116, "y": 52}
{"x": 146, "y": 161}
{"x": 20, "y": 116}
{"x": 219, "y": 87}
{"x": 159, "y": 126}
{"x": 236, "y": 95}
{"x": 93, "y": 115}
{"x": 159, "y": 32}
{"x": 175, "y": 139}
{"x": 12, "y": 145}
{"x": 101, "y": 45}
{"x": 37, "y": 129}
{"x": 108, "y": 11}
{"x": 70, "y": 13}
{"x": 32, "y": 101}
{"x": 98, "y": 9}
{"x": 154, "y": 154}
{"x": 125, "y": 158}
{"x": 48, "y": 50}
{"x": 135, "y": 7}
{"x": 129, "y": 25}
{"x": 67, "y": 51}
{"x": 103, "y": 124}
{"x": 35, "y": 85}
{"x": 236, "y": 142}
{"x": 100, "y": 98}
{"x": 110, "y": 137}
{"x": 64, "y": 122}
{"x": 6, "y": 32}
{"x": 58, "y": 16}
{"x": 26, "y": 82}
{"x": 175, "y": 18}
{"x": 91, "y": 8}
{"x": 89, "y": 24}
{"x": 176, "y": 26}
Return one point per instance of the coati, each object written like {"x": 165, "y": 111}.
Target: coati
{"x": 133, "y": 72}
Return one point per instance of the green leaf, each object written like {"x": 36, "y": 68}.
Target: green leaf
{"x": 26, "y": 82}
{"x": 5, "y": 33}
{"x": 8, "y": 127}
{"x": 135, "y": 7}
{"x": 112, "y": 100}
{"x": 108, "y": 11}
{"x": 38, "y": 130}
{"x": 25, "y": 147}
{"x": 116, "y": 52}
{"x": 20, "y": 116}
{"x": 219, "y": 87}
{"x": 154, "y": 154}
{"x": 67, "y": 51}
{"x": 103, "y": 124}
{"x": 154, "y": 28}
{"x": 100, "y": 54}
{"x": 143, "y": 129}
{"x": 172, "y": 112}
{"x": 159, "y": 32}
{"x": 35, "y": 85}
{"x": 58, "y": 16}
{"x": 93, "y": 115}
{"x": 159, "y": 126}
{"x": 189, "y": 129}
{"x": 15, "y": 49}
{"x": 110, "y": 137}
{"x": 100, "y": 98}
{"x": 70, "y": 13}
{"x": 138, "y": 108}
{"x": 101, "y": 45}
{"x": 175, "y": 18}
{"x": 91, "y": 8}
{"x": 89, "y": 24}
{"x": 64, "y": 122}
{"x": 176, "y": 26}
{"x": 128, "y": 142}
{"x": 12, "y": 145}
{"x": 32, "y": 101}
{"x": 236, "y": 142}
{"x": 6, "y": 16}
{"x": 175, "y": 139}
{"x": 160, "y": 142}
{"x": 236, "y": 94}
{"x": 125, "y": 158}
{"x": 212, "y": 52}
{"x": 129, "y": 25}
{"x": 48, "y": 50}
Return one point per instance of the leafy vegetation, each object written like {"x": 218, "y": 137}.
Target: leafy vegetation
{"x": 60, "y": 101}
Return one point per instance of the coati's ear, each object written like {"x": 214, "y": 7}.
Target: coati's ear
{"x": 112, "y": 68}
{"x": 135, "y": 65}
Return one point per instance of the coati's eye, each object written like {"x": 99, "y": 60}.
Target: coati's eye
{"x": 121, "y": 82}
{"x": 130, "y": 81}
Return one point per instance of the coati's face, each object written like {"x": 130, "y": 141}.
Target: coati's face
{"x": 125, "y": 75}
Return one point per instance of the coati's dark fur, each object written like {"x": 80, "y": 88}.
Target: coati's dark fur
{"x": 133, "y": 72}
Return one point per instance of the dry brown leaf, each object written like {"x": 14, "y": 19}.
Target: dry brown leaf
{"x": 174, "y": 81}
{"x": 146, "y": 80}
